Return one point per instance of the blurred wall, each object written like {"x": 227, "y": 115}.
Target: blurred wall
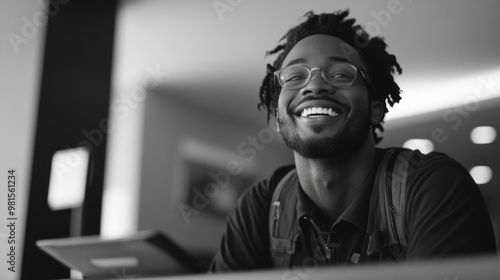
{"x": 20, "y": 71}
{"x": 169, "y": 123}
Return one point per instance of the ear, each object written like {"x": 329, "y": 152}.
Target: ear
{"x": 377, "y": 112}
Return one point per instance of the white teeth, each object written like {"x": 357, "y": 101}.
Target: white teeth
{"x": 315, "y": 111}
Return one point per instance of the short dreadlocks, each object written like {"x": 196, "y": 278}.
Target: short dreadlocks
{"x": 381, "y": 65}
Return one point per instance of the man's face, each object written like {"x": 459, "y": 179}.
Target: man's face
{"x": 324, "y": 136}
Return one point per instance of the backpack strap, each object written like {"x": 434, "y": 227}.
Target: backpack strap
{"x": 283, "y": 230}
{"x": 392, "y": 177}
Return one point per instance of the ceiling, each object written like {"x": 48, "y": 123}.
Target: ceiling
{"x": 217, "y": 59}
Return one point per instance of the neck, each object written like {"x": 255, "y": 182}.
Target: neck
{"x": 333, "y": 183}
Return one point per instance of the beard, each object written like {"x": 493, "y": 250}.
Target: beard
{"x": 342, "y": 144}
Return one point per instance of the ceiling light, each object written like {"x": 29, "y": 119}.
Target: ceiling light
{"x": 483, "y": 135}
{"x": 424, "y": 145}
{"x": 481, "y": 174}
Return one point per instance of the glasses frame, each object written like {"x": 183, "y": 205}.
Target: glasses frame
{"x": 309, "y": 77}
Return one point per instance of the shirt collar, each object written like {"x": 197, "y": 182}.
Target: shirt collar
{"x": 357, "y": 212}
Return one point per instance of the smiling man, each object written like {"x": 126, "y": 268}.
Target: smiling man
{"x": 345, "y": 201}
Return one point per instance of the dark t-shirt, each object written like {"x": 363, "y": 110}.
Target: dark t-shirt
{"x": 444, "y": 216}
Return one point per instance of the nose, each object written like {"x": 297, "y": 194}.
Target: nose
{"x": 317, "y": 85}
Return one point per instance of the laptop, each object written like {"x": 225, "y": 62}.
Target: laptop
{"x": 146, "y": 253}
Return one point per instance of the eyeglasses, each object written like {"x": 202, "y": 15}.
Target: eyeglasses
{"x": 335, "y": 74}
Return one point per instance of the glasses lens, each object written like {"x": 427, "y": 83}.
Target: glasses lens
{"x": 293, "y": 77}
{"x": 340, "y": 74}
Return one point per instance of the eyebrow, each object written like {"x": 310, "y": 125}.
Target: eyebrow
{"x": 330, "y": 58}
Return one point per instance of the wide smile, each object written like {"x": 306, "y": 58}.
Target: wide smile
{"x": 320, "y": 108}
{"x": 318, "y": 112}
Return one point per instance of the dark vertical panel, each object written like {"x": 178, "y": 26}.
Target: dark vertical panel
{"x": 73, "y": 109}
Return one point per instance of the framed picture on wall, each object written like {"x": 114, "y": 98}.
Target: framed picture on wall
{"x": 214, "y": 191}
{"x": 211, "y": 178}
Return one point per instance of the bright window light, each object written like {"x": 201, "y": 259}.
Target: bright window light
{"x": 462, "y": 92}
{"x": 68, "y": 178}
{"x": 481, "y": 174}
{"x": 483, "y": 135}
{"x": 424, "y": 145}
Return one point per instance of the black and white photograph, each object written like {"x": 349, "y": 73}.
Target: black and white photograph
{"x": 238, "y": 139}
